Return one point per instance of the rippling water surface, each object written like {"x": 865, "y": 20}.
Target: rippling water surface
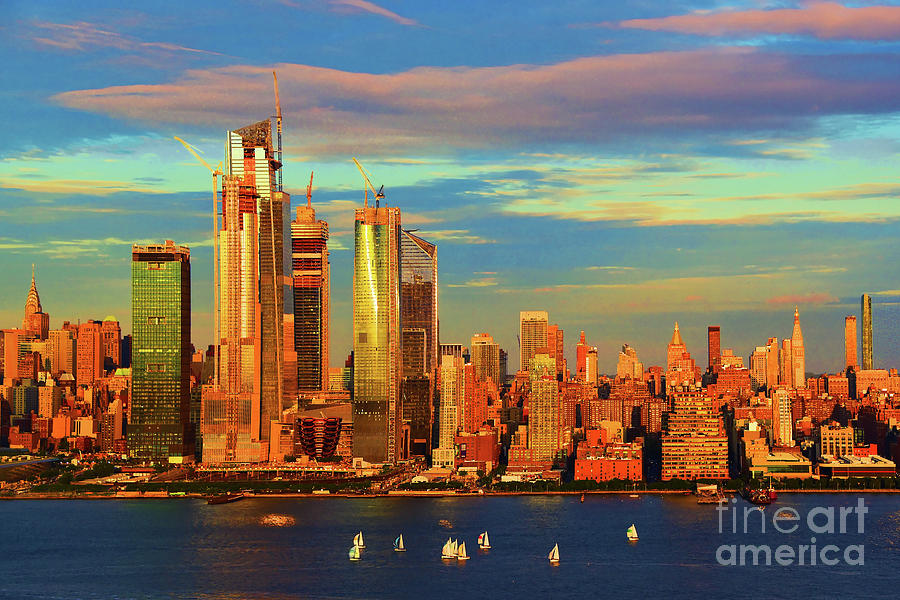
{"x": 297, "y": 548}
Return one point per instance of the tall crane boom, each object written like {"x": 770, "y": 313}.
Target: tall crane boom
{"x": 377, "y": 194}
{"x": 309, "y": 191}
{"x": 215, "y": 176}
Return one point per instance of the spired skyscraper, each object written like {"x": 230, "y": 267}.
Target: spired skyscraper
{"x": 255, "y": 292}
{"x": 376, "y": 333}
{"x": 160, "y": 427}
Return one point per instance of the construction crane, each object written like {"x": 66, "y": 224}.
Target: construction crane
{"x": 378, "y": 194}
{"x": 215, "y": 175}
{"x": 309, "y": 191}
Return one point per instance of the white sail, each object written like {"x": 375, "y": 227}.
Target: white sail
{"x": 400, "y": 546}
{"x": 447, "y": 551}
{"x": 358, "y": 540}
{"x": 632, "y": 532}
{"x": 354, "y": 552}
{"x": 486, "y": 542}
{"x": 554, "y": 554}
{"x": 461, "y": 553}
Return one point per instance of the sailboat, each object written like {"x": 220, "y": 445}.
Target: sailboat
{"x": 554, "y": 555}
{"x": 354, "y": 552}
{"x": 398, "y": 544}
{"x": 632, "y": 533}
{"x": 461, "y": 552}
{"x": 484, "y": 542}
{"x": 448, "y": 551}
{"x": 358, "y": 541}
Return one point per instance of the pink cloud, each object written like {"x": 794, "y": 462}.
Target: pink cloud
{"x": 811, "y": 298}
{"x": 371, "y": 7}
{"x": 823, "y": 20}
{"x": 582, "y": 100}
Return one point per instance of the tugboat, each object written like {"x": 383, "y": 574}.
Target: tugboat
{"x": 224, "y": 498}
{"x": 760, "y": 497}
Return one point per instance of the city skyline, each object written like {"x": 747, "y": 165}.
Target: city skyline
{"x": 560, "y": 222}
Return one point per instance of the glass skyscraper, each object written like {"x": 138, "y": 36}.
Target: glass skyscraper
{"x": 376, "y": 333}
{"x": 161, "y": 353}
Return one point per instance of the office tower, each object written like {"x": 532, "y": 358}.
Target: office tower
{"x": 452, "y": 399}
{"x": 868, "y": 340}
{"x": 758, "y": 363}
{"x": 713, "y": 344}
{"x": 111, "y": 338}
{"x": 555, "y": 348}
{"x": 675, "y": 350}
{"x": 159, "y": 428}
{"x": 62, "y": 351}
{"x": 89, "y": 355}
{"x": 419, "y": 299}
{"x": 798, "y": 354}
{"x": 253, "y": 155}
{"x": 486, "y": 358}
{"x": 629, "y": 367}
{"x": 544, "y": 405}
{"x": 36, "y": 321}
{"x": 772, "y": 363}
{"x": 785, "y": 364}
{"x": 590, "y": 366}
{"x": 504, "y": 366}
{"x": 309, "y": 254}
{"x": 782, "y": 419}
{"x": 533, "y": 326}
{"x": 581, "y": 349}
{"x": 376, "y": 333}
{"x": 850, "y": 341}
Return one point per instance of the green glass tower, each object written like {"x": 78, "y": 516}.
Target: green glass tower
{"x": 161, "y": 354}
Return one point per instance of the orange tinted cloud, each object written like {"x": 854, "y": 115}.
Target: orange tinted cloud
{"x": 823, "y": 20}
{"x": 812, "y": 298}
{"x": 582, "y": 100}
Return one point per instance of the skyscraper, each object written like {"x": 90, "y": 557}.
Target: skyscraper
{"x": 868, "y": 340}
{"x": 532, "y": 335}
{"x": 111, "y": 338}
{"x": 419, "y": 340}
{"x": 486, "y": 358}
{"x": 629, "y": 367}
{"x": 850, "y": 341}
{"x": 544, "y": 405}
{"x": 581, "y": 349}
{"x": 452, "y": 398}
{"x": 798, "y": 353}
{"x": 714, "y": 345}
{"x": 376, "y": 333}
{"x": 309, "y": 253}
{"x": 89, "y": 355}
{"x": 675, "y": 350}
{"x": 160, "y": 428}
{"x": 36, "y": 321}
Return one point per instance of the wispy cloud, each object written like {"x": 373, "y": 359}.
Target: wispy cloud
{"x": 352, "y": 7}
{"x": 475, "y": 283}
{"x": 608, "y": 268}
{"x": 82, "y": 36}
{"x": 811, "y": 298}
{"x": 458, "y": 236}
{"x": 823, "y": 20}
{"x": 587, "y": 100}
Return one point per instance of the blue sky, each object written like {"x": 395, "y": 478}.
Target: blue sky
{"x": 621, "y": 165}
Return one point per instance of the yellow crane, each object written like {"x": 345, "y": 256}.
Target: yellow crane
{"x": 215, "y": 175}
{"x": 309, "y": 191}
{"x": 378, "y": 194}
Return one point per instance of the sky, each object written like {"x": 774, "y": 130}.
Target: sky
{"x": 622, "y": 165}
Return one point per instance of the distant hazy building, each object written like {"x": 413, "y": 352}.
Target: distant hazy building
{"x": 868, "y": 341}
{"x": 629, "y": 367}
{"x": 376, "y": 333}
{"x": 850, "y": 342}
{"x": 160, "y": 428}
{"x": 714, "y": 344}
{"x": 532, "y": 335}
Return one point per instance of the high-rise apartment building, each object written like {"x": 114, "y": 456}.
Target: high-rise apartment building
{"x": 714, "y": 345}
{"x": 160, "y": 427}
{"x": 850, "y": 342}
{"x": 591, "y": 373}
{"x": 782, "y": 419}
{"x": 452, "y": 401}
{"x": 629, "y": 367}
{"x": 486, "y": 358}
{"x": 868, "y": 340}
{"x": 89, "y": 359}
{"x": 376, "y": 333}
{"x": 544, "y": 409}
{"x": 62, "y": 351}
{"x": 581, "y": 349}
{"x": 532, "y": 335}
{"x": 310, "y": 271}
{"x": 111, "y": 338}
